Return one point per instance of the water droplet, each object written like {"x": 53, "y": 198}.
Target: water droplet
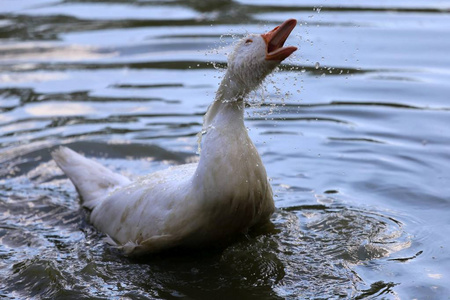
{"x": 317, "y": 65}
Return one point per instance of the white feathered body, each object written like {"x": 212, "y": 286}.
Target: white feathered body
{"x": 227, "y": 192}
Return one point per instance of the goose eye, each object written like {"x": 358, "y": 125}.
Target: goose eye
{"x": 249, "y": 41}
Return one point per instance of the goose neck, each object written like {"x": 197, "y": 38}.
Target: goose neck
{"x": 231, "y": 88}
{"x": 227, "y": 110}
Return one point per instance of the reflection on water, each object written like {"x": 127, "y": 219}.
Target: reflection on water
{"x": 60, "y": 109}
{"x": 352, "y": 131}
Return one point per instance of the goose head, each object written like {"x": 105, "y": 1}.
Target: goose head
{"x": 257, "y": 55}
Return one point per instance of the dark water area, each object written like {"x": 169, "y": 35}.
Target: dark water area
{"x": 353, "y": 130}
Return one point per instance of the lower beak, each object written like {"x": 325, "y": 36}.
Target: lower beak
{"x": 275, "y": 40}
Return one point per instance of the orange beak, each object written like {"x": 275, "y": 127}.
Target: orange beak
{"x": 275, "y": 40}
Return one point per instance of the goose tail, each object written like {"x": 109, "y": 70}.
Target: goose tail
{"x": 92, "y": 180}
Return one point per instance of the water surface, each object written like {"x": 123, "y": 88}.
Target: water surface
{"x": 353, "y": 130}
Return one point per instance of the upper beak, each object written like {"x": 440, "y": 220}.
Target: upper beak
{"x": 275, "y": 40}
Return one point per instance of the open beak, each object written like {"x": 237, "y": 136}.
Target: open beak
{"x": 275, "y": 40}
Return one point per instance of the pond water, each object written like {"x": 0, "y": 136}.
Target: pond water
{"x": 353, "y": 130}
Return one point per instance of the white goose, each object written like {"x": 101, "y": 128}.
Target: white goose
{"x": 227, "y": 192}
